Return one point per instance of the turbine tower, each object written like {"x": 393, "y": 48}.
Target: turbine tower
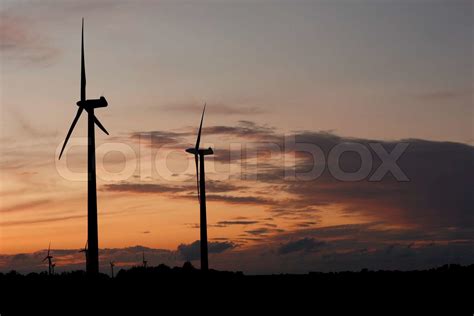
{"x": 49, "y": 257}
{"x": 92, "y": 265}
{"x": 199, "y": 155}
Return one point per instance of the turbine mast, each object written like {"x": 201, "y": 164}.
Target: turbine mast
{"x": 92, "y": 262}
{"x": 203, "y": 216}
{"x": 92, "y": 225}
{"x": 201, "y": 188}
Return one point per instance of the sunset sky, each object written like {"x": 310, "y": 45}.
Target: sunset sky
{"x": 317, "y": 72}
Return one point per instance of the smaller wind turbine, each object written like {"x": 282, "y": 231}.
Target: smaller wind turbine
{"x": 49, "y": 257}
{"x": 144, "y": 261}
{"x": 85, "y": 251}
{"x": 52, "y": 268}
{"x": 199, "y": 155}
{"x": 112, "y": 265}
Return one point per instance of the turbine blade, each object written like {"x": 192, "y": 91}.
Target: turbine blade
{"x": 83, "y": 67}
{"x": 49, "y": 248}
{"x": 98, "y": 123}
{"x": 78, "y": 114}
{"x": 200, "y": 128}
{"x": 196, "y": 158}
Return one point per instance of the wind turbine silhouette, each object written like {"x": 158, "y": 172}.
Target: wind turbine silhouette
{"x": 85, "y": 251}
{"x": 112, "y": 265}
{"x": 144, "y": 261}
{"x": 199, "y": 155}
{"x": 92, "y": 264}
{"x": 49, "y": 257}
{"x": 52, "y": 267}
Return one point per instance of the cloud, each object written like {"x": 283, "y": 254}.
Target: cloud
{"x": 41, "y": 220}
{"x": 25, "y": 206}
{"x": 372, "y": 245}
{"x": 160, "y": 138}
{"x": 142, "y": 188}
{"x": 445, "y": 95}
{"x": 263, "y": 231}
{"x": 352, "y": 247}
{"x": 244, "y": 129}
{"x": 190, "y": 252}
{"x": 304, "y": 244}
{"x": 437, "y": 193}
{"x": 222, "y": 186}
{"x": 238, "y": 199}
{"x": 177, "y": 139}
{"x": 186, "y": 191}
{"x": 237, "y": 222}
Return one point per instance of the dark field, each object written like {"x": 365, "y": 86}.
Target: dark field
{"x": 448, "y": 288}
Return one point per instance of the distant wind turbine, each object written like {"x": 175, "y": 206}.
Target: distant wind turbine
{"x": 52, "y": 268}
{"x": 143, "y": 260}
{"x": 49, "y": 257}
{"x": 112, "y": 265}
{"x": 92, "y": 265}
{"x": 85, "y": 251}
{"x": 199, "y": 155}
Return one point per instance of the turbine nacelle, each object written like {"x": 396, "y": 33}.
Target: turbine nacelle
{"x": 201, "y": 152}
{"x": 93, "y": 103}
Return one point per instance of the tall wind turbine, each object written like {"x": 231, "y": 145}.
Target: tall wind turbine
{"x": 144, "y": 261}
{"x": 49, "y": 257}
{"x": 199, "y": 155}
{"x": 92, "y": 265}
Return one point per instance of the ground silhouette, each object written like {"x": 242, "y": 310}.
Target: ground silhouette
{"x": 447, "y": 287}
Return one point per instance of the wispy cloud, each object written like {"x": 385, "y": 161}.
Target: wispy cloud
{"x": 41, "y": 220}
{"x": 444, "y": 95}
{"x": 192, "y": 251}
{"x": 25, "y": 206}
{"x": 304, "y": 244}
{"x": 143, "y": 188}
{"x": 237, "y": 222}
